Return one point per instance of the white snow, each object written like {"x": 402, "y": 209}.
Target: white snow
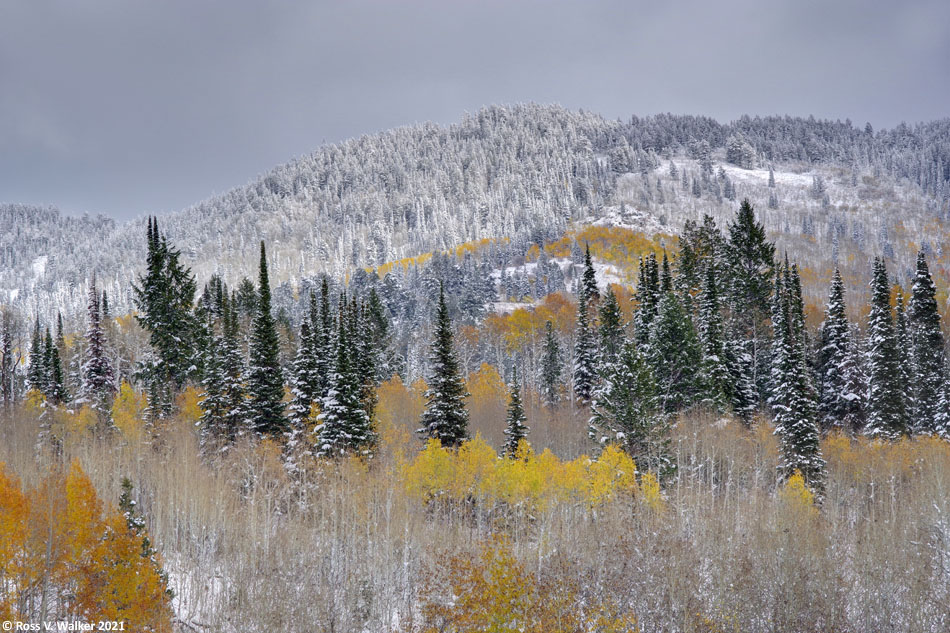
{"x": 39, "y": 266}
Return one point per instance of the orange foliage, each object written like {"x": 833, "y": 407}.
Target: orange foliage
{"x": 525, "y": 326}
{"x": 618, "y": 246}
{"x": 59, "y": 537}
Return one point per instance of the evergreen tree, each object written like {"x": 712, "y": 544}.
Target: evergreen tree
{"x": 742, "y": 374}
{"x": 793, "y": 398}
{"x": 589, "y": 280}
{"x": 214, "y": 404}
{"x": 625, "y": 411}
{"x": 585, "y": 353}
{"x": 306, "y": 380}
{"x": 516, "y": 428}
{"x": 265, "y": 387}
{"x": 323, "y": 339}
{"x": 56, "y": 379}
{"x": 98, "y": 378}
{"x": 927, "y": 348}
{"x": 37, "y": 375}
{"x": 164, "y": 297}
{"x": 648, "y": 298}
{"x": 445, "y": 417}
{"x": 904, "y": 359}
{"x": 610, "y": 329}
{"x": 674, "y": 354}
{"x": 752, "y": 259}
{"x": 717, "y": 379}
{"x": 839, "y": 404}
{"x": 551, "y": 368}
{"x": 942, "y": 418}
{"x": 233, "y": 370}
{"x": 886, "y": 415}
{"x": 344, "y": 426}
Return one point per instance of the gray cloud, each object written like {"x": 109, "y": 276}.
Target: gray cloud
{"x": 132, "y": 106}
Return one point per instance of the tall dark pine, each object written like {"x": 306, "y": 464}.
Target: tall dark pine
{"x": 306, "y": 379}
{"x": 516, "y": 428}
{"x": 344, "y": 426}
{"x": 717, "y": 379}
{"x": 610, "y": 329}
{"x": 55, "y": 378}
{"x": 885, "y": 411}
{"x": 752, "y": 258}
{"x": 589, "y": 280}
{"x": 839, "y": 404}
{"x": 37, "y": 373}
{"x": 585, "y": 353}
{"x": 445, "y": 417}
{"x": 927, "y": 349}
{"x": 675, "y": 355}
{"x": 98, "y": 378}
{"x": 265, "y": 386}
{"x": 793, "y": 398}
{"x": 551, "y": 368}
{"x": 647, "y": 297}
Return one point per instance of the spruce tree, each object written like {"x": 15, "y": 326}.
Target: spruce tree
{"x": 234, "y": 371}
{"x": 214, "y": 404}
{"x": 589, "y": 280}
{"x": 839, "y": 404}
{"x": 610, "y": 329}
{"x": 323, "y": 339}
{"x": 37, "y": 375}
{"x": 265, "y": 387}
{"x": 551, "y": 368}
{"x": 885, "y": 411}
{"x": 793, "y": 398}
{"x": 927, "y": 348}
{"x": 445, "y": 417}
{"x": 626, "y": 411}
{"x": 585, "y": 353}
{"x": 752, "y": 261}
{"x": 56, "y": 379}
{"x": 717, "y": 379}
{"x": 647, "y": 297}
{"x": 675, "y": 355}
{"x": 343, "y": 424}
{"x": 742, "y": 374}
{"x": 306, "y": 381}
{"x": 98, "y": 378}
{"x": 516, "y": 428}
{"x": 904, "y": 360}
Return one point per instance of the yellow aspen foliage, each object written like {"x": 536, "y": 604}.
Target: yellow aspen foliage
{"x": 650, "y": 492}
{"x": 431, "y": 473}
{"x": 493, "y": 592}
{"x": 188, "y": 405}
{"x": 62, "y": 550}
{"x": 796, "y": 494}
{"x": 128, "y": 412}
{"x": 72, "y": 424}
{"x": 35, "y": 401}
{"x": 613, "y": 473}
{"x": 398, "y": 410}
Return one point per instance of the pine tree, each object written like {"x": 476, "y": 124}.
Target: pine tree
{"x": 839, "y": 405}
{"x": 516, "y": 428}
{"x": 589, "y": 280}
{"x": 904, "y": 359}
{"x": 585, "y": 353}
{"x": 625, "y": 411}
{"x": 927, "y": 348}
{"x": 56, "y": 379}
{"x": 233, "y": 370}
{"x": 610, "y": 329}
{"x": 323, "y": 339}
{"x": 648, "y": 298}
{"x": 752, "y": 260}
{"x": 306, "y": 381}
{"x": 717, "y": 380}
{"x": 886, "y": 415}
{"x": 445, "y": 417}
{"x": 551, "y": 368}
{"x": 674, "y": 354}
{"x": 742, "y": 374}
{"x": 793, "y": 398}
{"x": 344, "y": 426}
{"x": 98, "y": 378}
{"x": 214, "y": 404}
{"x": 942, "y": 419}
{"x": 265, "y": 387}
{"x": 37, "y": 375}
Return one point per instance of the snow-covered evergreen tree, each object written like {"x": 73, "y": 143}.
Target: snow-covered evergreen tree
{"x": 265, "y": 386}
{"x": 585, "y": 353}
{"x": 886, "y": 417}
{"x": 589, "y": 279}
{"x": 675, "y": 355}
{"x": 610, "y": 329}
{"x": 839, "y": 404}
{"x": 445, "y": 417}
{"x": 716, "y": 377}
{"x": 626, "y": 411}
{"x": 343, "y": 424}
{"x": 927, "y": 349}
{"x": 551, "y": 368}
{"x": 516, "y": 428}
{"x": 305, "y": 389}
{"x": 98, "y": 377}
{"x": 647, "y": 297}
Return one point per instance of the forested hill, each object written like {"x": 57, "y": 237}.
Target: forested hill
{"x": 521, "y": 172}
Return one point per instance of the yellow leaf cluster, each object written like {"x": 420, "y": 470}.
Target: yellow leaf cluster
{"x": 128, "y": 412}
{"x": 59, "y": 539}
{"x": 527, "y": 480}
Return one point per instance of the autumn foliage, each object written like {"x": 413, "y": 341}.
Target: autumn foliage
{"x": 64, "y": 555}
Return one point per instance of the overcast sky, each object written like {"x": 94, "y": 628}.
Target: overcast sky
{"x": 124, "y": 107}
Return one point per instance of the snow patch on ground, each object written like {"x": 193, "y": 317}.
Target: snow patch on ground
{"x": 507, "y": 307}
